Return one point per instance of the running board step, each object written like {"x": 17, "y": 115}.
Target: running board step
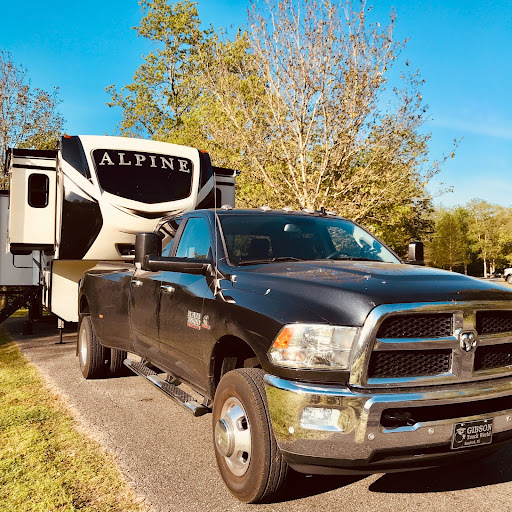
{"x": 172, "y": 391}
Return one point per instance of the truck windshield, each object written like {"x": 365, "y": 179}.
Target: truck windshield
{"x": 262, "y": 238}
{"x": 145, "y": 177}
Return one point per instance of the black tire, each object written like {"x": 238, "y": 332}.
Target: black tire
{"x": 91, "y": 354}
{"x": 257, "y": 473}
{"x": 509, "y": 279}
{"x": 116, "y": 361}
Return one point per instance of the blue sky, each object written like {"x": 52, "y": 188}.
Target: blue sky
{"x": 462, "y": 48}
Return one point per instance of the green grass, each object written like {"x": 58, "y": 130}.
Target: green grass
{"x": 20, "y": 312}
{"x": 24, "y": 312}
{"x": 46, "y": 464}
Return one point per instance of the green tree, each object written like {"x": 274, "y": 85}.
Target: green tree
{"x": 316, "y": 130}
{"x": 161, "y": 100}
{"x": 462, "y": 220}
{"x": 301, "y": 103}
{"x": 450, "y": 244}
{"x": 491, "y": 234}
{"x": 28, "y": 116}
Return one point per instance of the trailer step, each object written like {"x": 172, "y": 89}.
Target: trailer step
{"x": 172, "y": 391}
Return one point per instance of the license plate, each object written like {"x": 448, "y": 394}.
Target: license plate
{"x": 472, "y": 433}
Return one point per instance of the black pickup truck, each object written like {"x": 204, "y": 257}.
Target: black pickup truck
{"x": 312, "y": 343}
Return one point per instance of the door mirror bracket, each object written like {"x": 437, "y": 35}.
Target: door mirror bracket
{"x": 183, "y": 265}
{"x": 146, "y": 244}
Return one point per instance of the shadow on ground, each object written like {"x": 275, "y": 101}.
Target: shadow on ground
{"x": 490, "y": 470}
{"x": 302, "y": 486}
{"x": 44, "y": 328}
{"x": 44, "y": 339}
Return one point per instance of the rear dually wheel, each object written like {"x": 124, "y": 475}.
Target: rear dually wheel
{"x": 91, "y": 354}
{"x": 117, "y": 358}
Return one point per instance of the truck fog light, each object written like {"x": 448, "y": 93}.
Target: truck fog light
{"x": 320, "y": 418}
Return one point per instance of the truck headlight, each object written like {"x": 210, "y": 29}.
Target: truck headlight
{"x": 313, "y": 346}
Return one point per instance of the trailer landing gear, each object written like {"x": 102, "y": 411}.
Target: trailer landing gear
{"x": 60, "y": 326}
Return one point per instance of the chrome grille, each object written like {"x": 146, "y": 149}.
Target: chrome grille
{"x": 409, "y": 363}
{"x": 493, "y": 322}
{"x": 493, "y": 356}
{"x": 435, "y": 325}
{"x": 407, "y": 345}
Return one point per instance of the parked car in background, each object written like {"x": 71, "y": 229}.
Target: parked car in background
{"x": 507, "y": 275}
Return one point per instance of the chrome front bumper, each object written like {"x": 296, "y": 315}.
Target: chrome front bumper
{"x": 358, "y": 442}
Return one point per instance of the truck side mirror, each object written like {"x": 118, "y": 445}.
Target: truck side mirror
{"x": 146, "y": 244}
{"x": 416, "y": 254}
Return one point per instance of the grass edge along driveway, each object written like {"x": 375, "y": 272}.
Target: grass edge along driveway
{"x": 46, "y": 464}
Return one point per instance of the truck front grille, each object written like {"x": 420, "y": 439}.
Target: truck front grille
{"x": 493, "y": 322}
{"x": 409, "y": 363}
{"x": 406, "y": 345}
{"x": 436, "y": 325}
{"x": 493, "y": 356}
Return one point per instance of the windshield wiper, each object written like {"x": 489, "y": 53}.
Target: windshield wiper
{"x": 287, "y": 258}
{"x": 270, "y": 260}
{"x": 252, "y": 262}
{"x": 349, "y": 258}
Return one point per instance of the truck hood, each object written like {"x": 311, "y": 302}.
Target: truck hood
{"x": 344, "y": 292}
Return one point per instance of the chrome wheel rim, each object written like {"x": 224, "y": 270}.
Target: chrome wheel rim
{"x": 82, "y": 346}
{"x": 233, "y": 436}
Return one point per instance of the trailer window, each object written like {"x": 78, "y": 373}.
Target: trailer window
{"x": 168, "y": 231}
{"x": 145, "y": 177}
{"x": 73, "y": 154}
{"x": 38, "y": 190}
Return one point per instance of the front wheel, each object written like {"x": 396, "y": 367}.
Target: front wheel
{"x": 91, "y": 353}
{"x": 246, "y": 450}
{"x": 509, "y": 279}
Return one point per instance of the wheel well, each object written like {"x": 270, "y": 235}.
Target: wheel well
{"x": 229, "y": 354}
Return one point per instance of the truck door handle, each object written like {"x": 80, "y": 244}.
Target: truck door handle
{"x": 136, "y": 282}
{"x": 169, "y": 289}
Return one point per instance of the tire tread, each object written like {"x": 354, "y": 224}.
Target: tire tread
{"x": 279, "y": 470}
{"x": 117, "y": 358}
{"x": 95, "y": 366}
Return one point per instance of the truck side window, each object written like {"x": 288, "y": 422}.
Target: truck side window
{"x": 195, "y": 241}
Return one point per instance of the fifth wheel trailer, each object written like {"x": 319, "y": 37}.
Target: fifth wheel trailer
{"x": 84, "y": 202}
